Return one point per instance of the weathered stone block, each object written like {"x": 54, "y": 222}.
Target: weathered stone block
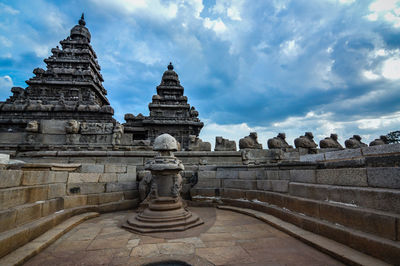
{"x": 343, "y": 154}
{"x": 56, "y": 190}
{"x": 27, "y": 213}
{"x": 92, "y": 168}
{"x": 108, "y": 177}
{"x": 114, "y": 187}
{"x": 312, "y": 157}
{"x": 53, "y": 126}
{"x": 110, "y": 197}
{"x": 271, "y": 198}
{"x": 74, "y": 201}
{"x": 131, "y": 169}
{"x": 10, "y": 178}
{"x": 126, "y": 178}
{"x": 7, "y": 219}
{"x": 85, "y": 188}
{"x": 37, "y": 193}
{"x": 228, "y": 174}
{"x": 58, "y": 177}
{"x": 4, "y": 158}
{"x": 381, "y": 149}
{"x": 343, "y": 177}
{"x": 208, "y": 183}
{"x": 240, "y": 184}
{"x": 10, "y": 197}
{"x": 207, "y": 174}
{"x": 272, "y": 174}
{"x": 114, "y": 168}
{"x": 233, "y": 193}
{"x": 303, "y": 206}
{"x": 51, "y": 206}
{"x": 302, "y": 176}
{"x": 363, "y": 220}
{"x": 284, "y": 174}
{"x": 273, "y": 185}
{"x": 131, "y": 194}
{"x": 310, "y": 191}
{"x": 83, "y": 177}
{"x": 250, "y": 174}
{"x": 202, "y": 192}
{"x": 30, "y": 178}
{"x": 384, "y": 177}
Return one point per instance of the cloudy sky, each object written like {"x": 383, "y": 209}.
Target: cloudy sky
{"x": 267, "y": 66}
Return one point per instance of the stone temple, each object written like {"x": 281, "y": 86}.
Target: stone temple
{"x": 78, "y": 187}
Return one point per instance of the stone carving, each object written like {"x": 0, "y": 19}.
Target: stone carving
{"x": 222, "y": 144}
{"x": 32, "y": 126}
{"x": 72, "y": 127}
{"x": 96, "y": 128}
{"x": 250, "y": 142}
{"x": 330, "y": 142}
{"x": 165, "y": 211}
{"x": 306, "y": 141}
{"x": 196, "y": 144}
{"x": 279, "y": 142}
{"x": 169, "y": 112}
{"x": 117, "y": 134}
{"x": 354, "y": 142}
{"x": 383, "y": 140}
{"x": 145, "y": 185}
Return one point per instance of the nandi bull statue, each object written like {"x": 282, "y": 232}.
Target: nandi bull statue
{"x": 165, "y": 210}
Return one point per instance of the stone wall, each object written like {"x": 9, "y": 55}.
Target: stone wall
{"x": 350, "y": 196}
{"x": 36, "y": 197}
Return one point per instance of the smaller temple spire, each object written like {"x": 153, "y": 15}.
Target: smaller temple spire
{"x": 170, "y": 66}
{"x": 82, "y": 20}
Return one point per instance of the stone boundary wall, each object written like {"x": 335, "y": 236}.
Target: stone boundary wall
{"x": 350, "y": 196}
{"x": 31, "y": 193}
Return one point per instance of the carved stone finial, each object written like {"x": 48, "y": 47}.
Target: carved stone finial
{"x": 170, "y": 66}
{"x": 82, "y": 20}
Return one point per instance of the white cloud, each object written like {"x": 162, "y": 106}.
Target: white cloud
{"x": 391, "y": 68}
{"x": 218, "y": 26}
{"x": 144, "y": 54}
{"x": 346, "y": 1}
{"x": 6, "y": 83}
{"x": 389, "y": 10}
{"x": 5, "y": 42}
{"x": 370, "y": 75}
{"x": 290, "y": 48}
{"x": 8, "y": 9}
{"x": 386, "y": 121}
{"x": 151, "y": 8}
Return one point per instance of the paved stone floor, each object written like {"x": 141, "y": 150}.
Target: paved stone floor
{"x": 226, "y": 238}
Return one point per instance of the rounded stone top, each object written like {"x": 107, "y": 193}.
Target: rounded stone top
{"x": 80, "y": 31}
{"x": 170, "y": 66}
{"x": 165, "y": 142}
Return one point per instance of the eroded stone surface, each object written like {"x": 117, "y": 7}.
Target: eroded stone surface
{"x": 234, "y": 239}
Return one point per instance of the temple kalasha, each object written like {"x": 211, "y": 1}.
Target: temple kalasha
{"x": 162, "y": 196}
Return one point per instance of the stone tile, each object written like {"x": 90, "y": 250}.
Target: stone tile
{"x": 107, "y": 243}
{"x": 85, "y": 234}
{"x": 343, "y": 177}
{"x": 224, "y": 255}
{"x": 302, "y": 176}
{"x": 92, "y": 168}
{"x": 216, "y": 237}
{"x": 114, "y": 168}
{"x": 189, "y": 240}
{"x": 132, "y": 243}
{"x": 145, "y": 250}
{"x": 384, "y": 177}
{"x": 150, "y": 240}
{"x": 83, "y": 177}
{"x": 72, "y": 245}
{"x": 175, "y": 248}
{"x": 108, "y": 177}
{"x": 226, "y": 243}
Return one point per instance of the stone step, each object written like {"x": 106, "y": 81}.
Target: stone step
{"x": 24, "y": 253}
{"x": 330, "y": 247}
{"x": 378, "y": 247}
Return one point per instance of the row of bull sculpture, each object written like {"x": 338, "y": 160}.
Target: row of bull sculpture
{"x": 279, "y": 142}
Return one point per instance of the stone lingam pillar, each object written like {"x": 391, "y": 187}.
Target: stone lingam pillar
{"x": 165, "y": 211}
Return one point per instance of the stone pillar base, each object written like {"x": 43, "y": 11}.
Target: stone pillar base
{"x": 164, "y": 214}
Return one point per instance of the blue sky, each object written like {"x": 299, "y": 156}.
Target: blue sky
{"x": 268, "y": 66}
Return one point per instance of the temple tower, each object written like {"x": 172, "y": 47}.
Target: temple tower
{"x": 169, "y": 113}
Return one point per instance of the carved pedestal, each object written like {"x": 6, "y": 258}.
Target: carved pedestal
{"x": 165, "y": 211}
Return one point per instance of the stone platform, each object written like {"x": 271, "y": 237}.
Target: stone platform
{"x": 226, "y": 238}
